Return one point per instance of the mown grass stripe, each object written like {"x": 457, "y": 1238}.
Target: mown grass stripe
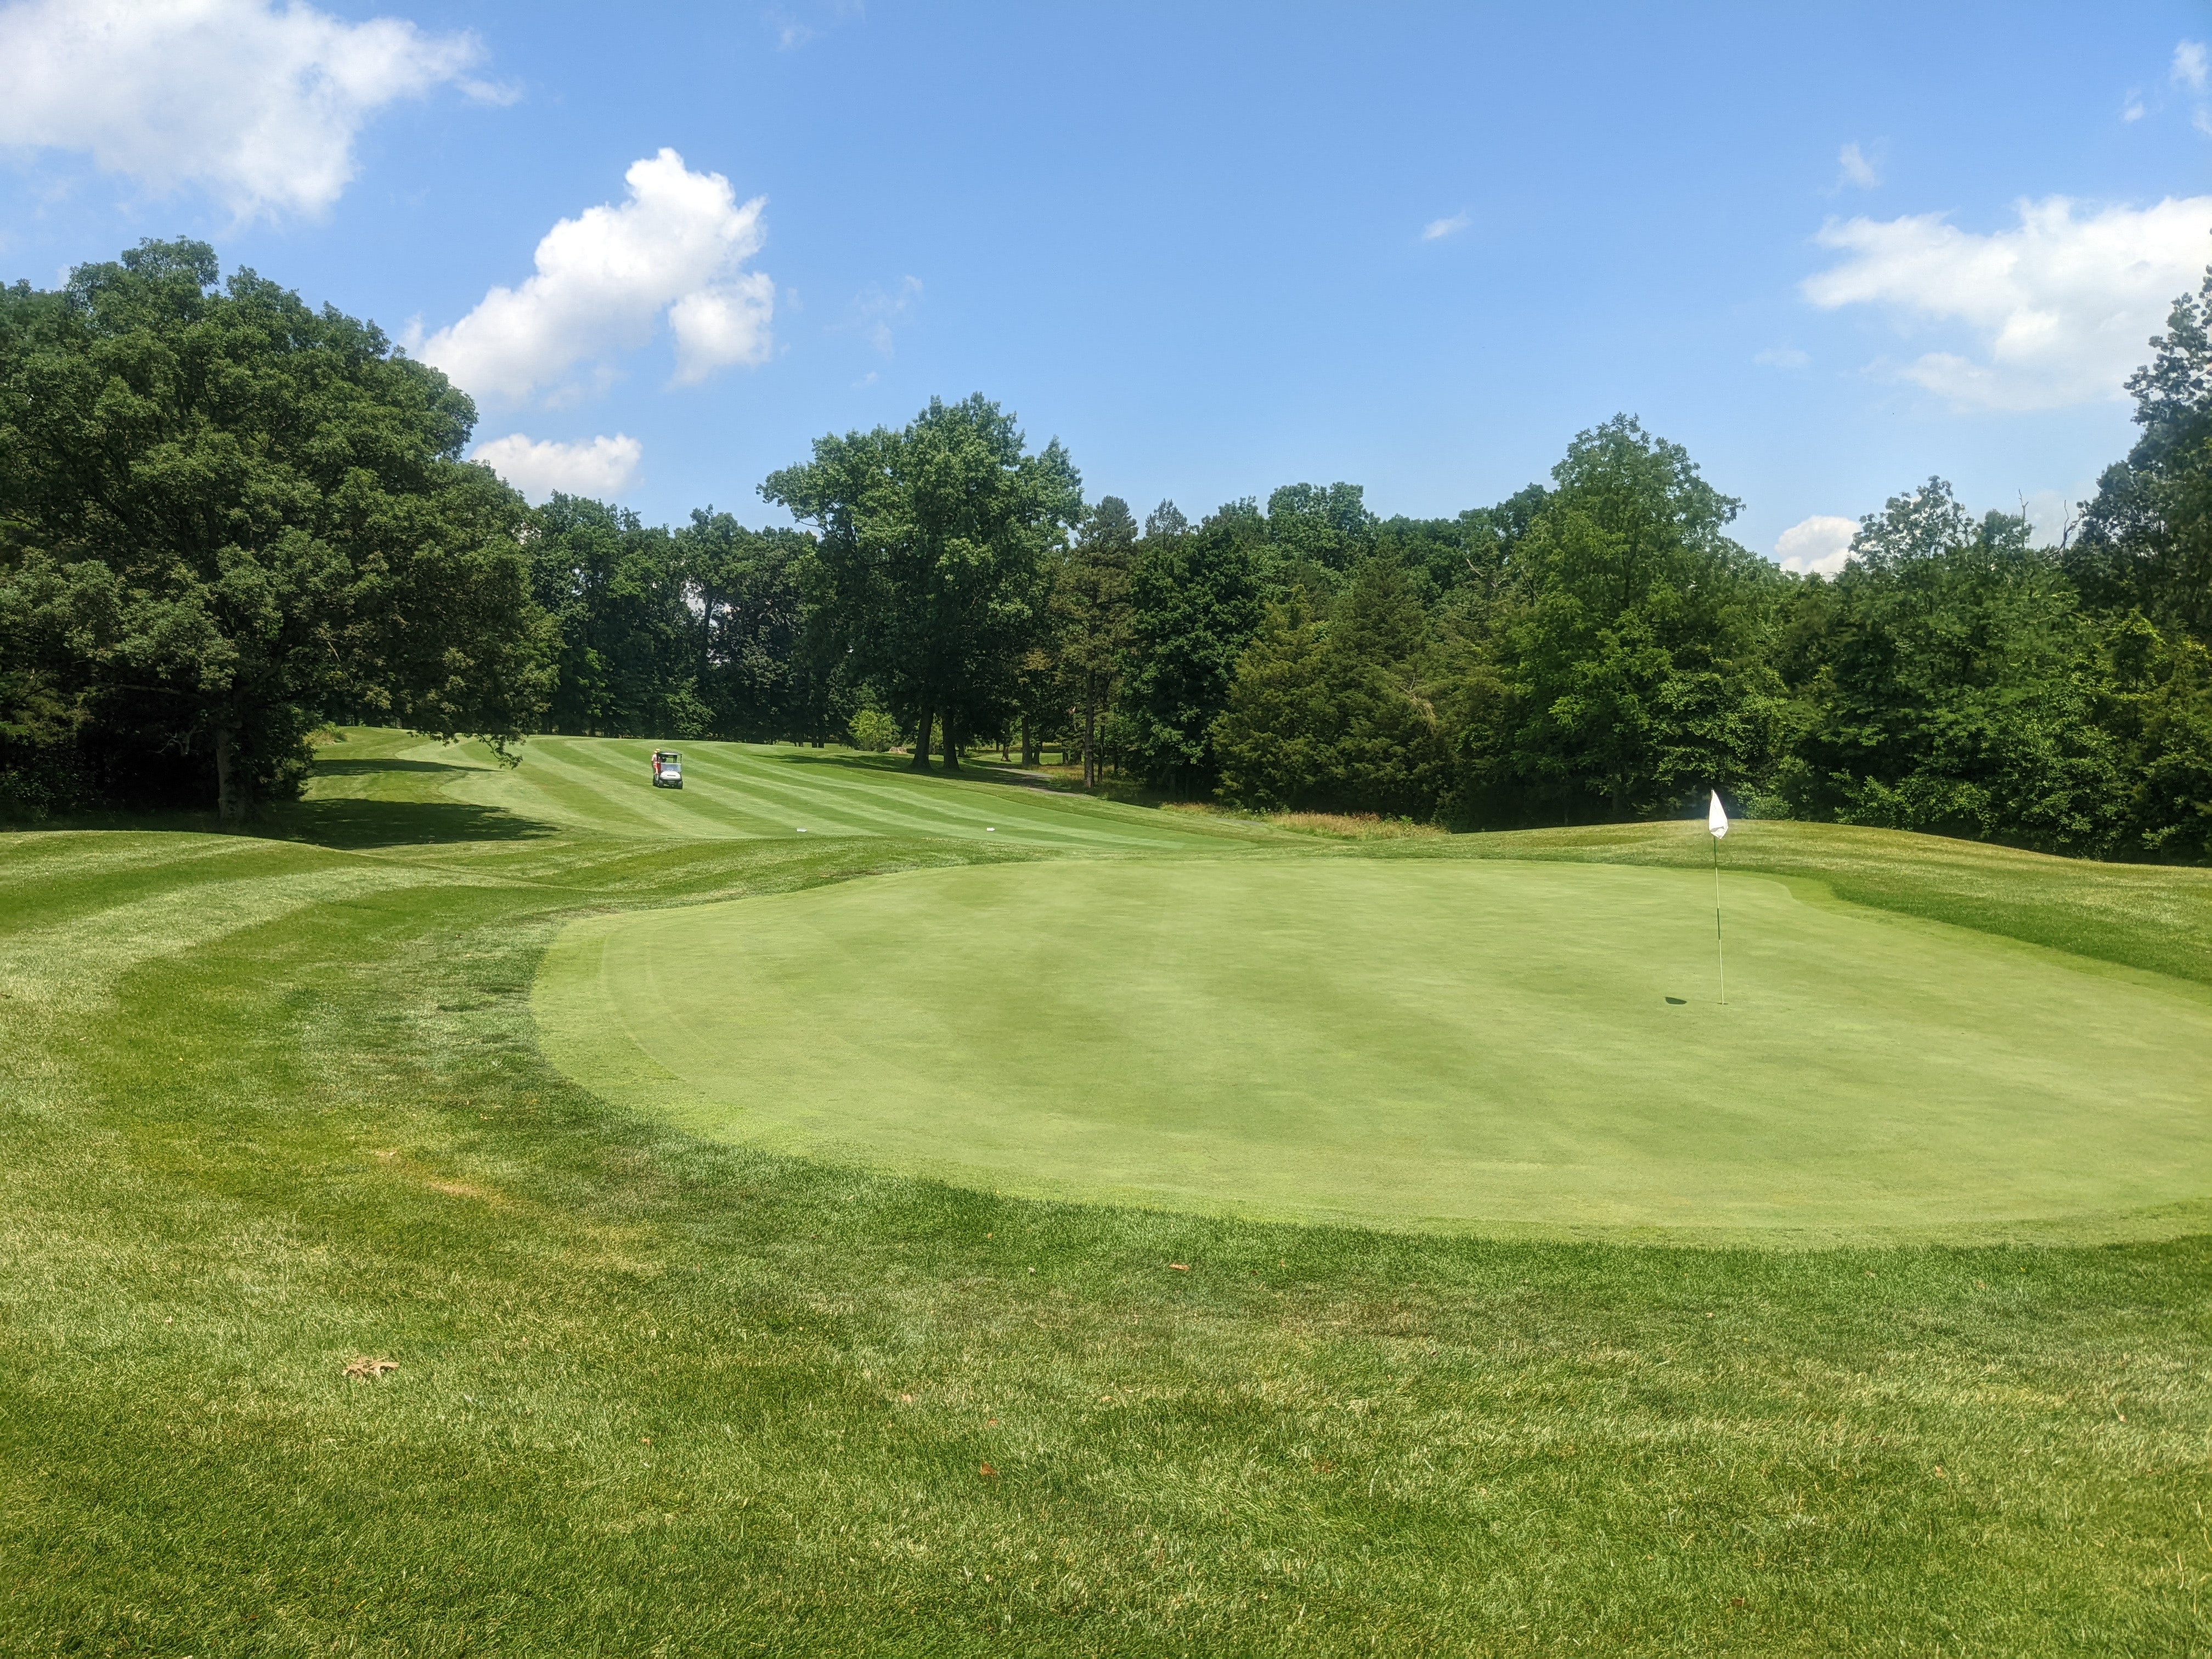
{"x": 659, "y": 1394}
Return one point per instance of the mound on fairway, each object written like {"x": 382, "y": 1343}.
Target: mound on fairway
{"x": 1410, "y": 1043}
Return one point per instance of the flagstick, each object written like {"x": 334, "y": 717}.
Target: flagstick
{"x": 1719, "y": 944}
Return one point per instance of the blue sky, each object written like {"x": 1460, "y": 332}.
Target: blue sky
{"x": 1213, "y": 249}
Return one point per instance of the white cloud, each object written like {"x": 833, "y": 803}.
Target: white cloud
{"x": 792, "y": 32}
{"x": 1781, "y": 357}
{"x": 600, "y": 468}
{"x": 1437, "y": 229}
{"x": 2060, "y": 309}
{"x": 2132, "y": 107}
{"x": 1821, "y": 542}
{"x": 2189, "y": 65}
{"x": 677, "y": 247}
{"x": 874, "y": 312}
{"x": 2192, "y": 71}
{"x": 1857, "y": 170}
{"x": 259, "y": 105}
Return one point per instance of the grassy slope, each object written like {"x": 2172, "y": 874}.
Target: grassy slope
{"x": 273, "y": 1105}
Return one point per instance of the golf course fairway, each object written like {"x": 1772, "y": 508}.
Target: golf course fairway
{"x": 1423, "y": 1043}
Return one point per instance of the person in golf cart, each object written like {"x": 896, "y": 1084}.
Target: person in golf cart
{"x": 667, "y": 770}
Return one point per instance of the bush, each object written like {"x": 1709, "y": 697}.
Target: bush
{"x": 874, "y": 731}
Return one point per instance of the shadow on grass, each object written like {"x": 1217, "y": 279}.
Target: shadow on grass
{"x": 356, "y": 768}
{"x": 353, "y": 824}
{"x": 846, "y": 760}
{"x": 976, "y": 769}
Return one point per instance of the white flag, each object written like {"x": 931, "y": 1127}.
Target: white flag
{"x": 1717, "y": 820}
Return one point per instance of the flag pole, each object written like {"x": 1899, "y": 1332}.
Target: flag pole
{"x": 1717, "y": 822}
{"x": 1719, "y": 944}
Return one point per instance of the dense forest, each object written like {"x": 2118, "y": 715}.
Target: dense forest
{"x": 226, "y": 520}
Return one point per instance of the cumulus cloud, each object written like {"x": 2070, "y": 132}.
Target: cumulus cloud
{"x": 1437, "y": 229}
{"x": 2059, "y": 309}
{"x": 1856, "y": 169}
{"x": 601, "y": 467}
{"x": 1820, "y": 543}
{"x": 1781, "y": 357}
{"x": 2189, "y": 66}
{"x": 258, "y": 106}
{"x": 2191, "y": 72}
{"x": 676, "y": 248}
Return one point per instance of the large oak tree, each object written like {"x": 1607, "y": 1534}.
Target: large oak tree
{"x": 226, "y": 517}
{"x": 931, "y": 557}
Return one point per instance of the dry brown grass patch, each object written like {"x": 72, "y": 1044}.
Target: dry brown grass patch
{"x": 1353, "y": 826}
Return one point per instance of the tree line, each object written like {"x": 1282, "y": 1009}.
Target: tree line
{"x": 226, "y": 519}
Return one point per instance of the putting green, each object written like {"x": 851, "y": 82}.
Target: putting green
{"x": 1428, "y": 1043}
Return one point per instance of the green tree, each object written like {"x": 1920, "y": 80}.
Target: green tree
{"x": 1091, "y": 603}
{"x": 928, "y": 570}
{"x": 1276, "y": 739}
{"x": 763, "y": 670}
{"x": 2154, "y": 699}
{"x": 1319, "y": 528}
{"x": 627, "y": 655}
{"x": 873, "y": 730}
{"x": 1952, "y": 685}
{"x": 1629, "y": 648}
{"x": 1340, "y": 715}
{"x": 1394, "y": 754}
{"x": 2145, "y": 540}
{"x": 226, "y": 517}
{"x": 1195, "y": 601}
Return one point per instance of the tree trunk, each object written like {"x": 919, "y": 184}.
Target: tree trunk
{"x": 920, "y": 762}
{"x": 951, "y": 746}
{"x": 1090, "y": 734}
{"x": 229, "y": 787}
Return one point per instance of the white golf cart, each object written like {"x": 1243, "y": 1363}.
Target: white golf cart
{"x": 667, "y": 770}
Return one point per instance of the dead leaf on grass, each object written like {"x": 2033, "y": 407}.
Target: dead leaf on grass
{"x": 987, "y": 1470}
{"x": 364, "y": 1366}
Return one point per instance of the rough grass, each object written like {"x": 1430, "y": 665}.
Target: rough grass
{"x": 1335, "y": 826}
{"x": 273, "y": 1108}
{"x": 1355, "y": 826}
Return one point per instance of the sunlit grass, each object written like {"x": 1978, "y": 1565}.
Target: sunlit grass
{"x": 274, "y": 1107}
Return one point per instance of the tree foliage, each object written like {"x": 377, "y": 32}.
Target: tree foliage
{"x": 1339, "y": 713}
{"x": 226, "y": 517}
{"x": 2145, "y": 540}
{"x": 1624, "y": 661}
{"x": 1195, "y": 601}
{"x": 931, "y": 556}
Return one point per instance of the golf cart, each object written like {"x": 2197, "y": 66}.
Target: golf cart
{"x": 667, "y": 770}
